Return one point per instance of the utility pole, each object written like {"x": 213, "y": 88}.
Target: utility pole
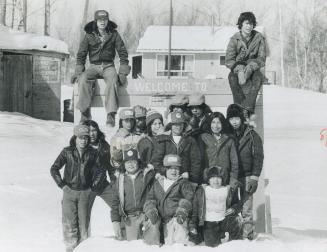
{"x": 86, "y": 8}
{"x": 25, "y": 15}
{"x": 169, "y": 44}
{"x": 47, "y": 18}
{"x": 281, "y": 36}
{"x": 3, "y": 5}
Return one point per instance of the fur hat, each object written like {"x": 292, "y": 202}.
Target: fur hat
{"x": 81, "y": 130}
{"x": 215, "y": 171}
{"x": 139, "y": 111}
{"x": 126, "y": 113}
{"x": 196, "y": 100}
{"x": 235, "y": 110}
{"x": 178, "y": 101}
{"x": 172, "y": 160}
{"x": 151, "y": 115}
{"x": 130, "y": 154}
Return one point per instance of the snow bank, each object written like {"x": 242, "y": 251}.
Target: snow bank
{"x": 295, "y": 162}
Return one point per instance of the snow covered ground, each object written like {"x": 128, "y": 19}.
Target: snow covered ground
{"x": 295, "y": 162}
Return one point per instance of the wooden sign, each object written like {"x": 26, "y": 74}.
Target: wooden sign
{"x": 46, "y": 70}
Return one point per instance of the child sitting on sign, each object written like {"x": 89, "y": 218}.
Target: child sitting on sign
{"x": 129, "y": 194}
{"x": 172, "y": 197}
{"x": 212, "y": 211}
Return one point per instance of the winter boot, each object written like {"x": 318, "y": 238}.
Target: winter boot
{"x": 111, "y": 119}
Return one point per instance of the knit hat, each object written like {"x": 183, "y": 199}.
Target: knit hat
{"x": 81, "y": 130}
{"x": 139, "y": 111}
{"x": 130, "y": 154}
{"x": 178, "y": 101}
{"x": 126, "y": 113}
{"x": 101, "y": 14}
{"x": 215, "y": 171}
{"x": 172, "y": 160}
{"x": 151, "y": 115}
{"x": 235, "y": 110}
{"x": 196, "y": 100}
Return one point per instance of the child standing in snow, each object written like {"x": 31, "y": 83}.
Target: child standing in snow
{"x": 172, "y": 197}
{"x": 212, "y": 210}
{"x": 129, "y": 194}
{"x": 82, "y": 173}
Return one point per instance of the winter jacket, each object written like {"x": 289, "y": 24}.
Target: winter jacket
{"x": 129, "y": 196}
{"x": 81, "y": 172}
{"x": 168, "y": 202}
{"x": 187, "y": 149}
{"x": 241, "y": 52}
{"x": 250, "y": 151}
{"x": 104, "y": 156}
{"x": 99, "y": 51}
{"x": 199, "y": 206}
{"x": 221, "y": 153}
{"x": 146, "y": 148}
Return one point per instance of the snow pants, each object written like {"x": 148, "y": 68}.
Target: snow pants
{"x": 75, "y": 216}
{"x": 85, "y": 89}
{"x": 214, "y": 231}
{"x": 175, "y": 232}
{"x": 246, "y": 95}
{"x": 137, "y": 227}
{"x": 247, "y": 211}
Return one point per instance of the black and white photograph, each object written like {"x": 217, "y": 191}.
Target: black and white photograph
{"x": 171, "y": 125}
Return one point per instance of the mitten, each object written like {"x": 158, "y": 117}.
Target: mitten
{"x": 181, "y": 217}
{"x": 151, "y": 211}
{"x": 238, "y": 68}
{"x": 248, "y": 72}
{"x": 251, "y": 186}
{"x": 241, "y": 77}
{"x": 233, "y": 184}
{"x": 184, "y": 207}
{"x": 124, "y": 70}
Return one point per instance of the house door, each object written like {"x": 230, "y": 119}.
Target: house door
{"x": 18, "y": 83}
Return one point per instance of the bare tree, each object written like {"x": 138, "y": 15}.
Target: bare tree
{"x": 3, "y": 7}
{"x": 47, "y": 18}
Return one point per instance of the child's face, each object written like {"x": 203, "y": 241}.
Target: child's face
{"x": 172, "y": 173}
{"x": 235, "y": 122}
{"x": 128, "y": 123}
{"x": 197, "y": 111}
{"x": 131, "y": 166}
{"x": 216, "y": 126}
{"x": 177, "y": 129}
{"x": 215, "y": 182}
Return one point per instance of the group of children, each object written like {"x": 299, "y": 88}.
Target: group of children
{"x": 172, "y": 182}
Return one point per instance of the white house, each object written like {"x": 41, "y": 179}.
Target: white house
{"x": 197, "y": 51}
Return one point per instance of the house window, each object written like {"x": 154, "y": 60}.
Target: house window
{"x": 181, "y": 65}
{"x": 222, "y": 60}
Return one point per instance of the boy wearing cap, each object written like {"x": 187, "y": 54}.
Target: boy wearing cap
{"x": 212, "y": 210}
{"x": 171, "y": 197}
{"x": 125, "y": 138}
{"x": 82, "y": 172}
{"x": 100, "y": 43}
{"x": 199, "y": 109}
{"x": 129, "y": 194}
{"x": 176, "y": 142}
{"x": 251, "y": 157}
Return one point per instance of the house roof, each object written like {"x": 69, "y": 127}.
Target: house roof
{"x": 18, "y": 40}
{"x": 188, "y": 38}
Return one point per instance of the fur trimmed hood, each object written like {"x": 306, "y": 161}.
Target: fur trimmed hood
{"x": 92, "y": 27}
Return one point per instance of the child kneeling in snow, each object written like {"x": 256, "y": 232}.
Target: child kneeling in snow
{"x": 129, "y": 194}
{"x": 212, "y": 211}
{"x": 171, "y": 197}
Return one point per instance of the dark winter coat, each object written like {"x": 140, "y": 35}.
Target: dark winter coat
{"x": 99, "y": 51}
{"x": 146, "y": 148}
{"x": 168, "y": 202}
{"x": 81, "y": 172}
{"x": 187, "y": 149}
{"x": 250, "y": 151}
{"x": 104, "y": 156}
{"x": 241, "y": 52}
{"x": 126, "y": 202}
{"x": 221, "y": 153}
{"x": 199, "y": 206}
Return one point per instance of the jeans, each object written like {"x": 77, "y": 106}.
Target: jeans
{"x": 85, "y": 89}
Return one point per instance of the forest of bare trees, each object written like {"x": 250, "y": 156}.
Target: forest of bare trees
{"x": 296, "y": 30}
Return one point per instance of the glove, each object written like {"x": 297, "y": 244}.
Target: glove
{"x": 117, "y": 230}
{"x": 124, "y": 70}
{"x": 248, "y": 72}
{"x": 238, "y": 69}
{"x": 152, "y": 215}
{"x": 251, "y": 186}
{"x": 75, "y": 78}
{"x": 233, "y": 184}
